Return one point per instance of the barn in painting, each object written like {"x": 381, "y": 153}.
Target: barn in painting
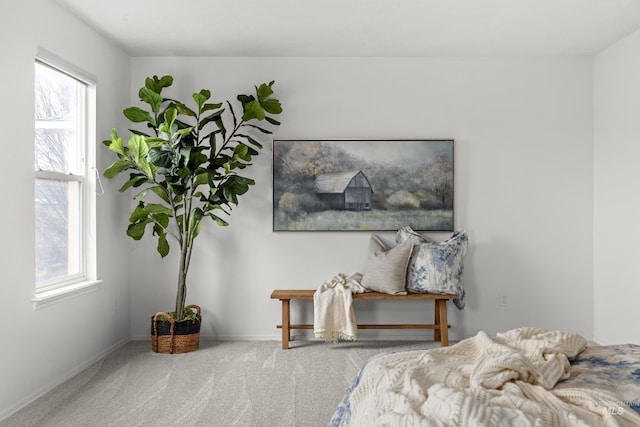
{"x": 345, "y": 191}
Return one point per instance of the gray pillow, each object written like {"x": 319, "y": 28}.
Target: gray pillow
{"x": 386, "y": 269}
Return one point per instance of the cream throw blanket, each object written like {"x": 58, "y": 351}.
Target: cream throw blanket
{"x": 333, "y": 315}
{"x": 481, "y": 381}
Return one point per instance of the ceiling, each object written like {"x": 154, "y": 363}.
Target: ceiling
{"x": 360, "y": 28}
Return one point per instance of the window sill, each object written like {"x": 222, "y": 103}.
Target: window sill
{"x": 43, "y": 299}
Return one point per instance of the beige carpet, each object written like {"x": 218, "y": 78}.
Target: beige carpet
{"x": 231, "y": 383}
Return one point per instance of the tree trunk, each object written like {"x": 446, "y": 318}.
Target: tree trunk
{"x": 182, "y": 283}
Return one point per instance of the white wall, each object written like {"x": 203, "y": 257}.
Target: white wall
{"x": 41, "y": 347}
{"x": 616, "y": 177}
{"x": 524, "y": 173}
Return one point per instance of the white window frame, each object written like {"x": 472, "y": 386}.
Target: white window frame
{"x": 85, "y": 280}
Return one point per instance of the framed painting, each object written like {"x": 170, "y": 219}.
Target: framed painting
{"x": 365, "y": 185}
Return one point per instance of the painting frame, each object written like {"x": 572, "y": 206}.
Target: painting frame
{"x": 363, "y": 184}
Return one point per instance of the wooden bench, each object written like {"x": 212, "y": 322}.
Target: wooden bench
{"x": 440, "y": 326}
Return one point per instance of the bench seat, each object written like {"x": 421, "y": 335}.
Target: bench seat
{"x": 440, "y": 325}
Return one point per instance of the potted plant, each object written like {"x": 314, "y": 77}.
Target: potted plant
{"x": 186, "y": 169}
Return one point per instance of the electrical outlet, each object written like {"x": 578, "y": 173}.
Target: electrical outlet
{"x": 502, "y": 301}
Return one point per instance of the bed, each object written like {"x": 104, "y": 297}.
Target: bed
{"x": 522, "y": 377}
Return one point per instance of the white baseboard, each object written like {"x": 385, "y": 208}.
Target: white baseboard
{"x": 275, "y": 337}
{"x": 375, "y": 335}
{"x": 6, "y": 413}
{"x": 308, "y": 336}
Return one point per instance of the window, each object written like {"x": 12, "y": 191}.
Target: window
{"x": 64, "y": 177}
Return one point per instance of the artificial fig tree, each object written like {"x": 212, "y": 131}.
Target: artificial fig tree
{"x": 186, "y": 165}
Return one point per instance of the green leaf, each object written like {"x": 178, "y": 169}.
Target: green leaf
{"x": 141, "y": 194}
{"x": 212, "y": 117}
{"x": 185, "y": 154}
{"x": 230, "y": 195}
{"x": 271, "y": 106}
{"x": 184, "y": 131}
{"x": 163, "y": 245}
{"x": 161, "y": 219}
{"x": 264, "y": 91}
{"x": 209, "y": 107}
{"x": 137, "y": 132}
{"x": 201, "y": 179}
{"x": 162, "y": 157}
{"x": 156, "y": 84}
{"x": 272, "y": 121}
{"x": 194, "y": 223}
{"x": 117, "y": 147}
{"x": 178, "y": 189}
{"x": 221, "y": 129}
{"x": 161, "y": 192}
{"x": 115, "y": 144}
{"x": 183, "y": 109}
{"x": 242, "y": 151}
{"x": 155, "y": 142}
{"x": 197, "y": 159}
{"x": 217, "y": 200}
{"x": 253, "y": 110}
{"x": 251, "y": 140}
{"x": 201, "y": 97}
{"x": 243, "y": 183}
{"x": 134, "y": 181}
{"x": 235, "y": 121}
{"x": 146, "y": 213}
{"x": 211, "y": 136}
{"x": 136, "y": 231}
{"x": 138, "y": 149}
{"x": 156, "y": 208}
{"x": 170, "y": 115}
{"x": 236, "y": 186}
{"x": 218, "y": 220}
{"x": 183, "y": 174}
{"x": 139, "y": 213}
{"x": 150, "y": 97}
{"x": 196, "y": 230}
{"x": 245, "y": 99}
{"x": 138, "y": 115}
{"x": 117, "y": 167}
{"x": 263, "y": 130}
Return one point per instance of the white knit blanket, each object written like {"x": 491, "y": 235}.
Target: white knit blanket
{"x": 481, "y": 381}
{"x": 333, "y": 315}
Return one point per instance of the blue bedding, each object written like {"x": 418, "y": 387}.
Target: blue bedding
{"x": 613, "y": 368}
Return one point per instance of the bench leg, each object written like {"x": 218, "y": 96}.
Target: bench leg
{"x": 436, "y": 320}
{"x": 286, "y": 323}
{"x": 441, "y": 310}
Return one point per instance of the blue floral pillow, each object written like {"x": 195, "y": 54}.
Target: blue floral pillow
{"x": 436, "y": 267}
{"x": 406, "y": 233}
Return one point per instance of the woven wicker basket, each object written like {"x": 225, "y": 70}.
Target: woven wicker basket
{"x": 171, "y": 337}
